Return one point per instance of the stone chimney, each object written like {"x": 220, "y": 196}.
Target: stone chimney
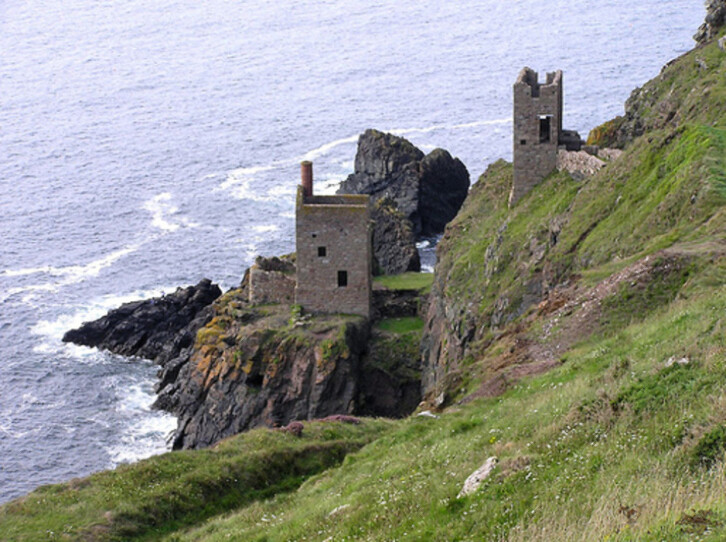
{"x": 306, "y": 175}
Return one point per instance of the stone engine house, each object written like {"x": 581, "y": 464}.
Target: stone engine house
{"x": 333, "y": 244}
{"x": 537, "y": 130}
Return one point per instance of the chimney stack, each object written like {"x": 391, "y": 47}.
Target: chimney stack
{"x": 306, "y": 174}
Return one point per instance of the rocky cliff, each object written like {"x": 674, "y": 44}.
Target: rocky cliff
{"x": 394, "y": 242}
{"x": 228, "y": 366}
{"x": 715, "y": 20}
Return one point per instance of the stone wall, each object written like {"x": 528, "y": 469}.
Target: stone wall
{"x": 535, "y": 150}
{"x": 271, "y": 286}
{"x": 333, "y": 236}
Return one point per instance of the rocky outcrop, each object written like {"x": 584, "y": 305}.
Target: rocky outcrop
{"x": 394, "y": 243}
{"x": 260, "y": 367}
{"x": 270, "y": 366}
{"x": 715, "y": 20}
{"x": 158, "y": 329}
{"x": 428, "y": 189}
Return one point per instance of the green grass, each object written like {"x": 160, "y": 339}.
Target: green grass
{"x": 602, "y": 448}
{"x": 164, "y": 493}
{"x": 406, "y": 281}
{"x": 400, "y": 325}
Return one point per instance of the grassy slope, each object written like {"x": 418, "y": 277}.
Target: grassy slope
{"x": 610, "y": 445}
{"x": 161, "y": 494}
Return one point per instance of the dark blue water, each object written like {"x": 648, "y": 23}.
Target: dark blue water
{"x": 147, "y": 145}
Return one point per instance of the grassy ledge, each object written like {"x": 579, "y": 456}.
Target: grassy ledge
{"x": 157, "y": 496}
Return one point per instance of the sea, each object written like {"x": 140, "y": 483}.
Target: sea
{"x": 146, "y": 145}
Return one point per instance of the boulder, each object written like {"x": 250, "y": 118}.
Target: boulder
{"x": 428, "y": 189}
{"x": 158, "y": 329}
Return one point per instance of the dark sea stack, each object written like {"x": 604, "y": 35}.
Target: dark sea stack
{"x": 428, "y": 189}
{"x": 157, "y": 329}
{"x": 444, "y": 186}
{"x": 394, "y": 243}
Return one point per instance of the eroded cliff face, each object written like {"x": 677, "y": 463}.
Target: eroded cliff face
{"x": 269, "y": 365}
{"x": 264, "y": 366}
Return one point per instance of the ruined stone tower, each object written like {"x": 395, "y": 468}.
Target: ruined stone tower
{"x": 537, "y": 129}
{"x": 333, "y": 240}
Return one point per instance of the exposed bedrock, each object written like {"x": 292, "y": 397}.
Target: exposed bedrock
{"x": 394, "y": 242}
{"x": 715, "y": 20}
{"x": 428, "y": 189}
{"x": 269, "y": 366}
{"x": 157, "y": 329}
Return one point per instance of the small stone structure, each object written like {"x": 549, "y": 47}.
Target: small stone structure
{"x": 537, "y": 130}
{"x": 333, "y": 244}
{"x": 272, "y": 280}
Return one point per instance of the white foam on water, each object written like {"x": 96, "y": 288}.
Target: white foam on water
{"x": 147, "y": 433}
{"x": 264, "y": 228}
{"x": 71, "y": 274}
{"x": 437, "y": 127}
{"x": 324, "y": 149}
{"x": 427, "y": 268}
{"x": 24, "y": 272}
{"x": 162, "y": 209}
{"x": 244, "y": 174}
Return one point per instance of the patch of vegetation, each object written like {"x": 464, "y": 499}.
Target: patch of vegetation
{"x": 571, "y": 468}
{"x": 710, "y": 448}
{"x": 406, "y": 281}
{"x": 637, "y": 299}
{"x": 159, "y": 495}
{"x": 403, "y": 324}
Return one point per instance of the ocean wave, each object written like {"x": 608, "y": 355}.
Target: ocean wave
{"x": 148, "y": 430}
{"x": 162, "y": 209}
{"x": 265, "y": 228}
{"x": 71, "y": 274}
{"x": 324, "y": 149}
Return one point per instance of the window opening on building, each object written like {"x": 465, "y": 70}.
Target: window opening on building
{"x": 544, "y": 129}
{"x": 522, "y": 141}
{"x": 342, "y": 279}
{"x": 322, "y": 252}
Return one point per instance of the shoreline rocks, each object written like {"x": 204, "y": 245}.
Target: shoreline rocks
{"x": 157, "y": 329}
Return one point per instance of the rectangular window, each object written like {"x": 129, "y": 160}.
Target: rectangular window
{"x": 522, "y": 141}
{"x": 342, "y": 279}
{"x": 322, "y": 252}
{"x": 544, "y": 129}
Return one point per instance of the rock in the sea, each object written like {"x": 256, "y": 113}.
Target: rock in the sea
{"x": 394, "y": 243}
{"x": 157, "y": 329}
{"x": 715, "y": 19}
{"x": 428, "y": 189}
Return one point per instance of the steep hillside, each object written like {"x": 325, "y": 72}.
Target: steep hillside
{"x": 662, "y": 199}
